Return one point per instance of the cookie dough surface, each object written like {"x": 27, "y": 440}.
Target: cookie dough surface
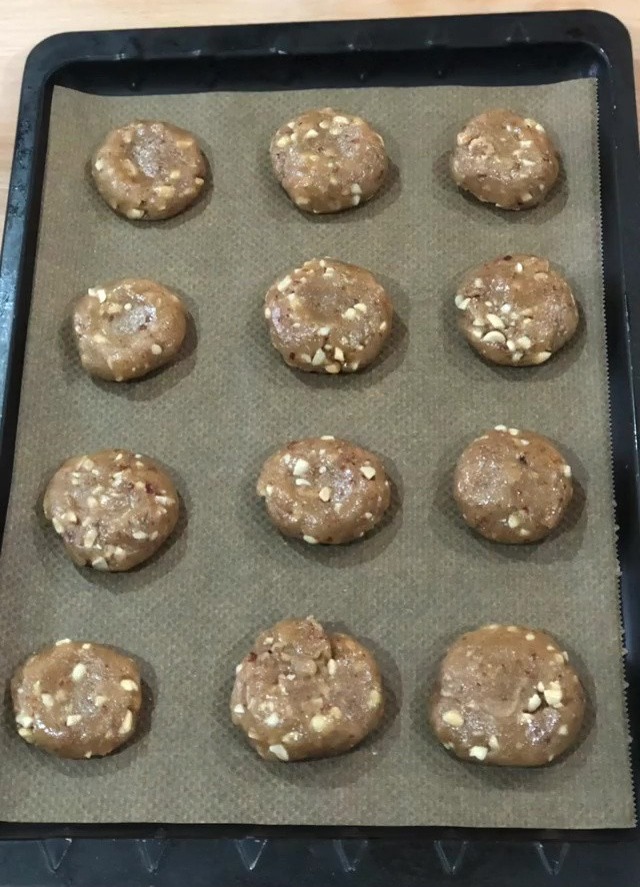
{"x": 512, "y": 486}
{"x": 129, "y": 328}
{"x": 77, "y": 699}
{"x": 328, "y": 160}
{"x": 303, "y": 693}
{"x": 324, "y": 490}
{"x": 328, "y": 317}
{"x": 507, "y": 695}
{"x": 112, "y": 509}
{"x": 516, "y": 310}
{"x": 505, "y": 159}
{"x": 149, "y": 169}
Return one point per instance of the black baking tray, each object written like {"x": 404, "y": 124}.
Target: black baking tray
{"x": 513, "y": 49}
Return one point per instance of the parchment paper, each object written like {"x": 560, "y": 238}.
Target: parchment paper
{"x": 213, "y": 417}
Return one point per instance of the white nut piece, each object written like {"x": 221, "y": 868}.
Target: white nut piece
{"x": 553, "y": 694}
{"x": 280, "y": 752}
{"x": 127, "y": 723}
{"x": 534, "y": 702}
{"x": 479, "y": 752}
{"x": 78, "y": 672}
{"x": 128, "y": 685}
{"x": 453, "y": 718}
{"x": 368, "y": 471}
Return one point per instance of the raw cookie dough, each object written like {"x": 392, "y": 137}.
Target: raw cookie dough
{"x": 512, "y": 486}
{"x": 328, "y": 161}
{"x": 126, "y": 329}
{"x": 149, "y": 169}
{"x": 505, "y": 159}
{"x": 324, "y": 490}
{"x": 516, "y": 310}
{"x": 302, "y": 693}
{"x": 77, "y": 699}
{"x": 112, "y": 509}
{"x": 507, "y": 695}
{"x": 328, "y": 317}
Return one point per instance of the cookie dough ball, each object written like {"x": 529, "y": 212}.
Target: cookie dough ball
{"x": 127, "y": 329}
{"x": 149, "y": 170}
{"x": 77, "y": 699}
{"x": 507, "y": 695}
{"x": 328, "y": 161}
{"x": 324, "y": 490}
{"x": 328, "y": 317}
{"x": 516, "y": 310}
{"x": 512, "y": 486}
{"x": 302, "y": 693}
{"x": 505, "y": 159}
{"x": 112, "y": 509}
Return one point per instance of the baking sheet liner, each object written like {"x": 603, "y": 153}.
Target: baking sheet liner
{"x": 191, "y": 613}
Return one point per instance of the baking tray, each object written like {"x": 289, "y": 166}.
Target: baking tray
{"x": 476, "y": 50}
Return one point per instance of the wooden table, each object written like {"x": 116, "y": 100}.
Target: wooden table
{"x": 26, "y": 22}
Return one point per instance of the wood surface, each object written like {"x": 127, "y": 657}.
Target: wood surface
{"x": 26, "y": 22}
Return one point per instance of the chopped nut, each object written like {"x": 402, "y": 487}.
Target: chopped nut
{"x": 57, "y": 526}
{"x": 63, "y": 641}
{"x": 514, "y": 520}
{"x": 530, "y": 636}
{"x": 283, "y": 284}
{"x": 524, "y": 342}
{"x": 47, "y": 700}
{"x": 479, "y": 752}
{"x": 100, "y": 701}
{"x": 99, "y": 563}
{"x": 553, "y": 694}
{"x": 495, "y": 321}
{"x": 338, "y": 354}
{"x": 563, "y": 730}
{"x": 320, "y": 723}
{"x": 534, "y": 702}
{"x": 90, "y": 537}
{"x": 272, "y": 720}
{"x": 72, "y": 720}
{"x": 156, "y": 349}
{"x": 461, "y": 302}
{"x": 566, "y": 470}
{"x": 541, "y": 356}
{"x": 494, "y": 337}
{"x": 239, "y": 709}
{"x": 325, "y": 494}
{"x": 331, "y": 667}
{"x": 318, "y": 358}
{"x": 494, "y": 745}
{"x": 127, "y": 723}
{"x": 280, "y": 752}
{"x": 301, "y": 467}
{"x": 128, "y": 685}
{"x": 311, "y": 540}
{"x": 134, "y": 213}
{"x": 24, "y": 719}
{"x": 332, "y": 368}
{"x": 453, "y": 718}
{"x": 78, "y": 672}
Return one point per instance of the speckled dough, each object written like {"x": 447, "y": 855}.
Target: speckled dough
{"x": 507, "y": 695}
{"x": 324, "y": 490}
{"x": 505, "y": 159}
{"x": 516, "y": 310}
{"x": 302, "y": 693}
{"x": 149, "y": 170}
{"x": 112, "y": 509}
{"x": 328, "y": 317}
{"x": 126, "y": 329}
{"x": 328, "y": 160}
{"x": 512, "y": 486}
{"x": 77, "y": 699}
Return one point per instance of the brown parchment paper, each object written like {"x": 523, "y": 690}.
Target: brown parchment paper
{"x": 213, "y": 417}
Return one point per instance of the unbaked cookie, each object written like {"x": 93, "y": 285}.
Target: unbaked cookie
{"x": 328, "y": 160}
{"x": 505, "y": 159}
{"x": 516, "y": 310}
{"x": 77, "y": 699}
{"x": 149, "y": 169}
{"x": 302, "y": 693}
{"x": 324, "y": 490}
{"x": 112, "y": 509}
{"x": 512, "y": 486}
{"x": 507, "y": 695}
{"x": 126, "y": 329}
{"x": 328, "y": 317}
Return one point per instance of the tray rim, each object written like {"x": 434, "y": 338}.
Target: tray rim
{"x": 600, "y": 31}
